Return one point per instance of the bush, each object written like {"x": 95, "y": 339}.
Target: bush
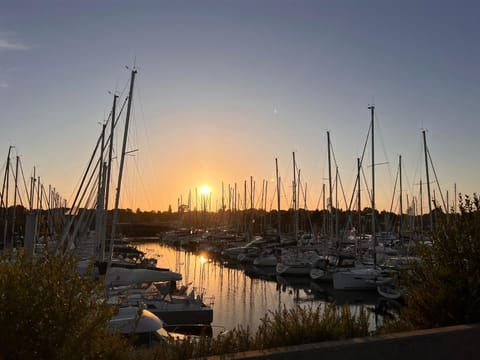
{"x": 49, "y": 311}
{"x": 444, "y": 287}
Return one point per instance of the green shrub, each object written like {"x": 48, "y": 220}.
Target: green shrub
{"x": 444, "y": 287}
{"x": 49, "y": 311}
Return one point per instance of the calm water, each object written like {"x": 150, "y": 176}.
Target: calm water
{"x": 243, "y": 295}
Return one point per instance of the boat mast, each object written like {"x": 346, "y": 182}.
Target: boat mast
{"x": 324, "y": 230}
{"x": 359, "y": 204}
{"x": 278, "y": 199}
{"x": 223, "y": 202}
{"x": 265, "y": 198}
{"x": 425, "y": 150}
{"x": 295, "y": 215}
{"x": 330, "y": 190}
{"x": 109, "y": 169}
{"x": 122, "y": 161}
{"x": 336, "y": 206}
{"x": 305, "y": 196}
{"x": 5, "y": 195}
{"x": 401, "y": 194}
{"x": 454, "y": 198}
{"x": 252, "y": 210}
{"x": 245, "y": 209}
{"x": 15, "y": 200}
{"x": 100, "y": 218}
{"x": 235, "y": 202}
{"x": 299, "y": 185}
{"x": 374, "y": 237}
{"x": 421, "y": 208}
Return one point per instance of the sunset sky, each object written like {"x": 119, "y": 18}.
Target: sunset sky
{"x": 225, "y": 87}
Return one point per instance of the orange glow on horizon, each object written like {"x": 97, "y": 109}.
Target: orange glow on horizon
{"x": 205, "y": 190}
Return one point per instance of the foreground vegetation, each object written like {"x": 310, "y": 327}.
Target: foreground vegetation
{"x": 48, "y": 311}
{"x": 444, "y": 287}
{"x": 279, "y": 328}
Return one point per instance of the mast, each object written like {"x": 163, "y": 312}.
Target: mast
{"x": 298, "y": 198}
{"x": 336, "y": 206}
{"x": 401, "y": 194}
{"x": 454, "y": 197}
{"x": 245, "y": 195}
{"x": 235, "y": 198}
{"x": 251, "y": 192}
{"x": 5, "y": 195}
{"x": 252, "y": 210}
{"x": 99, "y": 220}
{"x": 323, "y": 210}
{"x": 410, "y": 216}
{"x": 15, "y": 200}
{"x": 245, "y": 209}
{"x": 421, "y": 208}
{"x": 374, "y": 237}
{"x": 359, "y": 203}
{"x": 447, "y": 209}
{"x": 109, "y": 168}
{"x": 330, "y": 190}
{"x": 428, "y": 179}
{"x": 295, "y": 215}
{"x": 299, "y": 185}
{"x": 278, "y": 198}
{"x": 223, "y": 197}
{"x": 38, "y": 212}
{"x": 122, "y": 161}
{"x": 305, "y": 196}
{"x": 266, "y": 194}
{"x": 229, "y": 197}
{"x": 32, "y": 188}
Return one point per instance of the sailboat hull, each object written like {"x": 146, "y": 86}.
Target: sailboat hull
{"x": 356, "y": 279}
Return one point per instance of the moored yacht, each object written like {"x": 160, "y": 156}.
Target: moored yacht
{"x": 359, "y": 278}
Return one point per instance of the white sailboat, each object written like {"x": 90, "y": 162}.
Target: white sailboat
{"x": 363, "y": 277}
{"x": 146, "y": 326}
{"x": 174, "y": 306}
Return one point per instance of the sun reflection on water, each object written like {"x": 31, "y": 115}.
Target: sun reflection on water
{"x": 243, "y": 295}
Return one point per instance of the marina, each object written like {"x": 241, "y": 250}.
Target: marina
{"x": 216, "y": 178}
{"x": 241, "y": 295}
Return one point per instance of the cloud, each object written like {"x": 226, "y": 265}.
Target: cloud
{"x": 7, "y": 44}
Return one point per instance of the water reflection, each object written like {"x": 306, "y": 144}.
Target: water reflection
{"x": 242, "y": 295}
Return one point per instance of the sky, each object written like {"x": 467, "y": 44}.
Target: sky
{"x": 226, "y": 87}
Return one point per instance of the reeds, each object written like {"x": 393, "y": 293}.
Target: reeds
{"x": 298, "y": 325}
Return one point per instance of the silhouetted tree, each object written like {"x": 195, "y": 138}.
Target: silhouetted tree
{"x": 444, "y": 286}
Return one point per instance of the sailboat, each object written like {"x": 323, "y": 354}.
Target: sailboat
{"x": 89, "y": 245}
{"x": 148, "y": 329}
{"x": 298, "y": 261}
{"x": 269, "y": 257}
{"x": 363, "y": 277}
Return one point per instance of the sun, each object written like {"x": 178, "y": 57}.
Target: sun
{"x": 205, "y": 190}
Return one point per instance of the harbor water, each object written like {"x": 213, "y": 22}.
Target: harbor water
{"x": 242, "y": 295}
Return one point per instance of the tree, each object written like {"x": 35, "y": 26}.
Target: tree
{"x": 444, "y": 286}
{"x": 49, "y": 311}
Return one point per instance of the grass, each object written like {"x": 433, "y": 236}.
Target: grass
{"x": 286, "y": 327}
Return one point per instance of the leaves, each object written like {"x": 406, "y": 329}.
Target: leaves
{"x": 444, "y": 287}
{"x": 49, "y": 311}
